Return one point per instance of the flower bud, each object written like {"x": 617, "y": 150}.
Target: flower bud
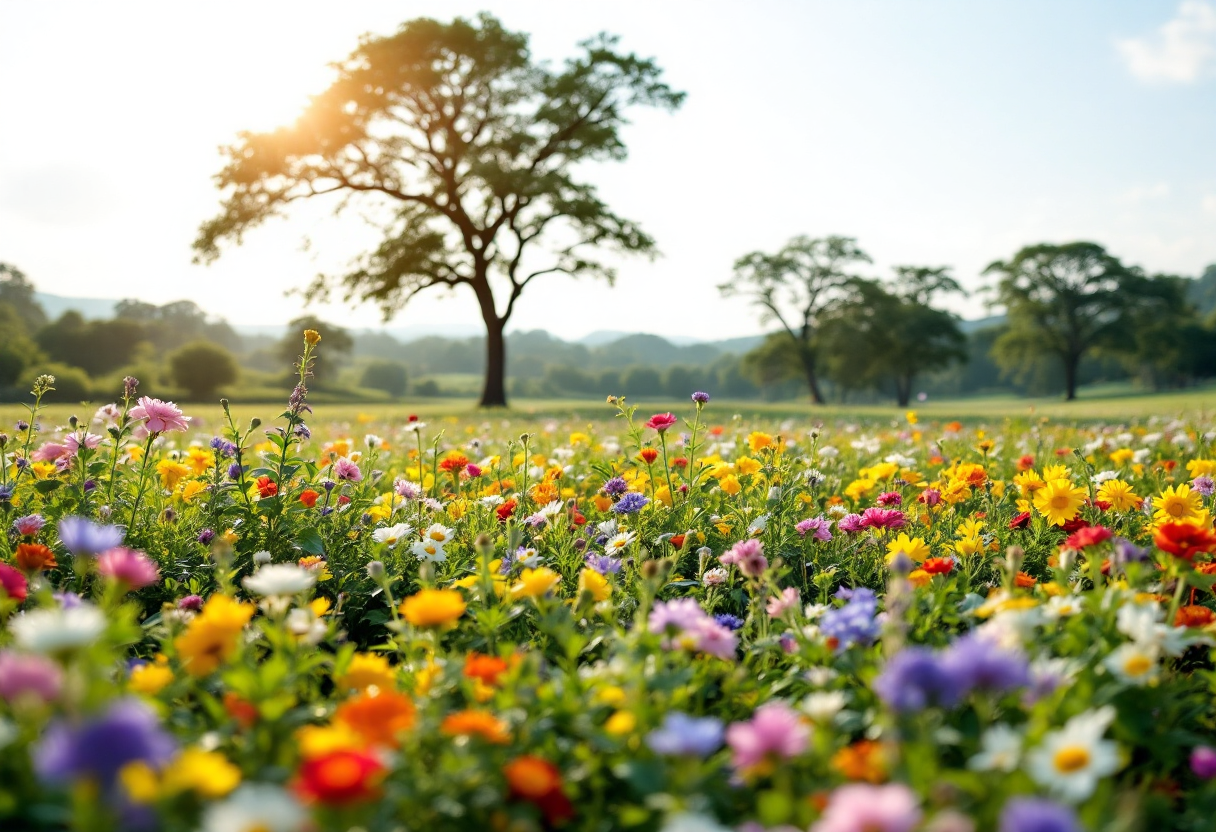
{"x": 375, "y": 570}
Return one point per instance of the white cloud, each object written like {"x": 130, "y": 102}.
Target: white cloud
{"x": 1180, "y": 51}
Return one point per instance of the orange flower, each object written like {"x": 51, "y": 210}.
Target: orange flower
{"x": 434, "y": 608}
{"x": 677, "y": 541}
{"x": 1024, "y": 580}
{"x": 243, "y": 712}
{"x": 309, "y": 497}
{"x": 34, "y": 557}
{"x": 543, "y": 493}
{"x": 538, "y": 781}
{"x": 340, "y": 777}
{"x": 483, "y": 668}
{"x": 863, "y": 760}
{"x": 649, "y": 455}
{"x": 938, "y": 566}
{"x": 476, "y": 723}
{"x": 455, "y": 462}
{"x": 1184, "y": 540}
{"x": 1194, "y": 616}
{"x": 378, "y": 717}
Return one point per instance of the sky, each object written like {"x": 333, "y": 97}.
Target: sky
{"x": 937, "y": 132}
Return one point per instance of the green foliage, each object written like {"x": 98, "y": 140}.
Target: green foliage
{"x": 389, "y": 376}
{"x": 71, "y": 383}
{"x": 17, "y": 292}
{"x": 338, "y": 345}
{"x": 202, "y": 368}
{"x": 97, "y": 347}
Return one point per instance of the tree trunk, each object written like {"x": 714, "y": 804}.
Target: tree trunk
{"x": 1071, "y": 363}
{"x": 812, "y": 380}
{"x": 494, "y": 392}
{"x": 903, "y": 390}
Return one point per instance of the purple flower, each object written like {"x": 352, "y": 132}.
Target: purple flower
{"x": 29, "y": 525}
{"x": 819, "y": 525}
{"x": 1203, "y": 759}
{"x": 775, "y": 730}
{"x": 976, "y": 663}
{"x": 84, "y": 537}
{"x": 631, "y": 503}
{"x": 686, "y": 736}
{"x": 1032, "y": 814}
{"x": 346, "y": 470}
{"x": 234, "y": 471}
{"x": 853, "y": 623}
{"x": 222, "y": 447}
{"x": 1204, "y": 485}
{"x": 677, "y": 614}
{"x": 850, "y": 523}
{"x": 913, "y": 680}
{"x": 700, "y": 397}
{"x": 604, "y": 564}
{"x": 695, "y": 630}
{"x": 191, "y": 603}
{"x": 206, "y": 536}
{"x": 25, "y": 676}
{"x": 6, "y": 494}
{"x": 67, "y": 600}
{"x": 615, "y": 487}
{"x": 1127, "y": 552}
{"x": 730, "y": 622}
{"x": 127, "y": 732}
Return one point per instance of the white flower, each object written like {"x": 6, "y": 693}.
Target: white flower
{"x": 692, "y": 822}
{"x": 823, "y": 705}
{"x": 551, "y": 508}
{"x": 758, "y": 525}
{"x": 437, "y": 533}
{"x": 820, "y": 676}
{"x": 1134, "y": 663}
{"x": 53, "y": 629}
{"x": 1000, "y": 749}
{"x": 304, "y": 623}
{"x": 1070, "y": 762}
{"x": 714, "y": 577}
{"x": 392, "y": 535}
{"x": 607, "y": 528}
{"x": 279, "y": 580}
{"x": 619, "y": 542}
{"x": 829, "y": 452}
{"x": 429, "y": 550}
{"x": 414, "y": 427}
{"x": 8, "y": 732}
{"x": 255, "y": 806}
{"x": 813, "y": 611}
{"x": 1142, "y": 623}
{"x": 261, "y": 556}
{"x": 1061, "y": 606}
{"x": 492, "y": 500}
{"x": 1103, "y": 476}
{"x": 837, "y": 511}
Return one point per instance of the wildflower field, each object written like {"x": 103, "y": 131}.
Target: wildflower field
{"x": 665, "y": 621}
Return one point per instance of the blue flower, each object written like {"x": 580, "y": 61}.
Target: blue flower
{"x": 975, "y": 663}
{"x": 730, "y": 622}
{"x": 853, "y": 623}
{"x": 84, "y": 537}
{"x": 914, "y": 679}
{"x": 604, "y": 564}
{"x": 700, "y": 397}
{"x": 684, "y": 735}
{"x": 615, "y": 487}
{"x": 631, "y": 503}
{"x": 1030, "y": 814}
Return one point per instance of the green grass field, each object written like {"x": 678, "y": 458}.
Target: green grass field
{"x": 1094, "y": 405}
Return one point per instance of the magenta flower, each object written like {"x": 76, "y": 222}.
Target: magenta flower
{"x": 472, "y": 470}
{"x": 883, "y": 518}
{"x": 860, "y": 807}
{"x": 661, "y": 421}
{"x": 850, "y": 523}
{"x": 818, "y": 525}
{"x": 127, "y": 567}
{"x": 49, "y": 452}
{"x": 26, "y": 676}
{"x": 930, "y": 497}
{"x": 1203, "y": 759}
{"x": 12, "y": 583}
{"x": 775, "y": 730}
{"x": 159, "y": 416}
{"x": 788, "y": 599}
{"x": 748, "y": 556}
{"x": 346, "y": 470}
{"x": 29, "y": 525}
{"x": 889, "y": 498}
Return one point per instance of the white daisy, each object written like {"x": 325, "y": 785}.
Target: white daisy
{"x": 551, "y": 508}
{"x": 280, "y": 580}
{"x": 429, "y": 550}
{"x": 392, "y": 535}
{"x": 492, "y": 500}
{"x": 1061, "y": 606}
{"x": 1000, "y": 749}
{"x": 1070, "y": 762}
{"x": 606, "y": 528}
{"x": 824, "y": 705}
{"x": 714, "y": 577}
{"x": 256, "y": 806}
{"x": 1134, "y": 663}
{"x": 1143, "y": 623}
{"x": 437, "y": 533}
{"x": 619, "y": 542}
{"x": 55, "y": 629}
{"x": 305, "y": 625}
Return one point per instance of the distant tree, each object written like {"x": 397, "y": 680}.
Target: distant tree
{"x": 564, "y": 381}
{"x": 97, "y": 347}
{"x": 17, "y": 291}
{"x": 202, "y": 368}
{"x": 642, "y": 381}
{"x": 475, "y": 145}
{"x": 610, "y": 383}
{"x": 773, "y": 361}
{"x": 1202, "y": 291}
{"x": 796, "y": 287}
{"x": 172, "y": 325}
{"x": 71, "y": 383}
{"x": 389, "y": 376}
{"x": 1062, "y": 301}
{"x": 1165, "y": 341}
{"x": 336, "y": 346}
{"x": 680, "y": 382}
{"x": 17, "y": 348}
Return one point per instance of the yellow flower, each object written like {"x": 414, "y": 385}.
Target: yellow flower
{"x": 971, "y": 527}
{"x": 859, "y": 488}
{"x": 139, "y": 781}
{"x": 319, "y": 740}
{"x": 149, "y": 679}
{"x": 919, "y": 577}
{"x": 208, "y": 774}
{"x": 911, "y": 417}
{"x": 211, "y": 637}
{"x": 433, "y": 608}
{"x": 190, "y": 489}
{"x": 42, "y": 470}
{"x": 757, "y": 441}
{"x": 312, "y": 337}
{"x": 611, "y": 695}
{"x": 1028, "y": 482}
{"x": 378, "y": 513}
{"x": 998, "y": 489}
{"x": 1201, "y": 467}
{"x": 1122, "y": 456}
{"x": 881, "y": 471}
{"x": 969, "y": 546}
{"x": 366, "y": 669}
{"x": 730, "y": 484}
{"x": 579, "y": 438}
{"x": 745, "y": 465}
{"x": 199, "y": 459}
{"x": 956, "y": 491}
{"x": 1119, "y": 494}
{"x": 662, "y": 494}
{"x": 534, "y": 583}
{"x": 913, "y": 547}
{"x": 1177, "y": 503}
{"x": 1056, "y": 472}
{"x": 1059, "y": 501}
{"x": 621, "y": 722}
{"x": 594, "y": 583}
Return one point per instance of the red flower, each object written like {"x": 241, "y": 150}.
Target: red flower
{"x": 539, "y": 782}
{"x": 649, "y": 455}
{"x": 13, "y": 583}
{"x": 485, "y": 669}
{"x": 309, "y": 497}
{"x": 680, "y": 462}
{"x": 1169, "y": 464}
{"x": 245, "y": 713}
{"x": 505, "y": 510}
{"x": 454, "y": 462}
{"x": 661, "y": 421}
{"x": 1089, "y": 536}
{"x": 343, "y": 499}
{"x": 1025, "y": 463}
{"x": 1075, "y": 525}
{"x": 266, "y": 487}
{"x": 576, "y": 516}
{"x": 938, "y": 566}
{"x": 339, "y": 777}
{"x": 412, "y": 418}
{"x": 1194, "y": 616}
{"x": 1063, "y": 451}
{"x": 1184, "y": 540}
{"x": 677, "y": 541}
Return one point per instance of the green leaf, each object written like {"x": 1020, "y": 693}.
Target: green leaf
{"x": 309, "y": 540}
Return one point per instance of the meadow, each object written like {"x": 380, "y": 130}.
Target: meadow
{"x": 690, "y": 616}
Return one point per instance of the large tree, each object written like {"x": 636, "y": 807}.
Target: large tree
{"x": 470, "y": 151}
{"x": 795, "y": 287}
{"x": 1062, "y": 301}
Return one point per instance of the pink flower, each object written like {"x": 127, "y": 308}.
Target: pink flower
{"x": 12, "y": 583}
{"x": 29, "y": 525}
{"x": 344, "y": 469}
{"x": 127, "y": 567}
{"x": 818, "y": 525}
{"x": 74, "y": 443}
{"x": 473, "y": 470}
{"x": 889, "y": 498}
{"x": 661, "y": 421}
{"x": 883, "y": 518}
{"x": 788, "y": 599}
{"x": 930, "y": 497}
{"x": 24, "y": 676}
{"x": 850, "y": 523}
{"x": 748, "y": 556}
{"x": 49, "y": 452}
{"x": 775, "y": 730}
{"x": 714, "y": 639}
{"x": 159, "y": 416}
{"x": 860, "y": 807}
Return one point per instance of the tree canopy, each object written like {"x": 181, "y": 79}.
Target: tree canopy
{"x": 471, "y": 149}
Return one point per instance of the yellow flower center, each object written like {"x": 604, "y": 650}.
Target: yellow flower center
{"x": 1070, "y": 759}
{"x": 1174, "y": 509}
{"x": 1059, "y": 501}
{"x": 1137, "y": 666}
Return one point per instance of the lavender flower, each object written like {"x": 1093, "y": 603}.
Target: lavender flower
{"x": 234, "y": 471}
{"x": 604, "y": 564}
{"x": 631, "y": 503}
{"x": 615, "y": 487}
{"x": 975, "y": 663}
{"x": 222, "y": 447}
{"x": 1204, "y": 485}
{"x": 730, "y": 622}
{"x": 914, "y": 679}
{"x": 686, "y": 736}
{"x": 1031, "y": 814}
{"x": 98, "y": 749}
{"x": 206, "y": 536}
{"x": 29, "y": 525}
{"x": 84, "y": 537}
{"x": 347, "y": 470}
{"x": 407, "y": 490}
{"x": 855, "y": 622}
{"x": 700, "y": 397}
